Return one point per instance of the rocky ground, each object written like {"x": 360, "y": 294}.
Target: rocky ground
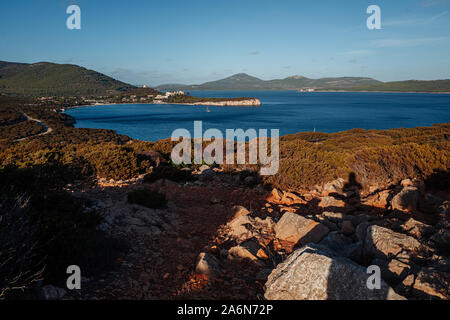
{"x": 225, "y": 237}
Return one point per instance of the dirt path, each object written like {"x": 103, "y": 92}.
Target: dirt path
{"x": 163, "y": 267}
{"x": 47, "y": 129}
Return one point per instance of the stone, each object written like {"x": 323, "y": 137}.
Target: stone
{"x": 377, "y": 200}
{"x": 342, "y": 245}
{"x": 393, "y": 270}
{"x": 417, "y": 229}
{"x": 406, "y": 183}
{"x": 406, "y": 200}
{"x": 335, "y": 186}
{"x": 294, "y": 228}
{"x": 444, "y": 209}
{"x": 207, "y": 264}
{"x": 245, "y": 227}
{"x": 427, "y": 284}
{"x": 241, "y": 228}
{"x": 384, "y": 243}
{"x": 262, "y": 254}
{"x": 277, "y": 195}
{"x": 360, "y": 219}
{"x": 247, "y": 250}
{"x": 361, "y": 231}
{"x": 315, "y": 273}
{"x": 203, "y": 168}
{"x": 326, "y": 202}
{"x": 347, "y": 227}
{"x": 442, "y": 239}
{"x": 333, "y": 216}
{"x": 431, "y": 202}
{"x": 290, "y": 198}
{"x": 238, "y": 211}
{"x": 442, "y": 264}
{"x": 50, "y": 292}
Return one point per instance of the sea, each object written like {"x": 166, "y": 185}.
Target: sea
{"x": 288, "y": 111}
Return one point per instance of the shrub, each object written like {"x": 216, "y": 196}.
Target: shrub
{"x": 147, "y": 198}
{"x": 169, "y": 172}
{"x": 20, "y": 262}
{"x": 65, "y": 230}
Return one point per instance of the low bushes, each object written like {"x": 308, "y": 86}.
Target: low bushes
{"x": 51, "y": 229}
{"x": 375, "y": 156}
{"x": 169, "y": 172}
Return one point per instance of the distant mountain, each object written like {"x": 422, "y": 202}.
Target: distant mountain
{"x": 409, "y": 86}
{"x": 243, "y": 81}
{"x": 44, "y": 78}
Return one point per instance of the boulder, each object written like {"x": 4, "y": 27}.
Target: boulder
{"x": 315, "y": 273}
{"x": 203, "y": 168}
{"x": 247, "y": 250}
{"x": 238, "y": 211}
{"x": 342, "y": 245}
{"x": 333, "y": 216}
{"x": 276, "y": 194}
{"x": 245, "y": 227}
{"x": 361, "y": 230}
{"x": 347, "y": 227}
{"x": 241, "y": 228}
{"x": 290, "y": 198}
{"x": 294, "y": 228}
{"x": 326, "y": 202}
{"x": 50, "y": 292}
{"x": 207, "y": 264}
{"x": 427, "y": 284}
{"x": 394, "y": 270}
{"x": 417, "y": 229}
{"x": 357, "y": 219}
{"x": 377, "y": 200}
{"x": 406, "y": 200}
{"x": 406, "y": 183}
{"x": 335, "y": 186}
{"x": 442, "y": 239}
{"x": 430, "y": 203}
{"x": 384, "y": 243}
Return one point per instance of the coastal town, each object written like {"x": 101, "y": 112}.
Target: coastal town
{"x": 142, "y": 95}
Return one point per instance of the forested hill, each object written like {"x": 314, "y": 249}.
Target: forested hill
{"x": 242, "y": 81}
{"x": 44, "y": 78}
{"x": 409, "y": 86}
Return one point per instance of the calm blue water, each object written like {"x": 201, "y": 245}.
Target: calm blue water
{"x": 288, "y": 111}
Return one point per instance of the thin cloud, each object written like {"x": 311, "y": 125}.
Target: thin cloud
{"x": 414, "y": 21}
{"x": 432, "y": 3}
{"x": 399, "y": 43}
{"x": 360, "y": 52}
{"x": 254, "y": 53}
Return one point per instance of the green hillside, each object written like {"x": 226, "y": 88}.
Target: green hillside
{"x": 45, "y": 78}
{"x": 409, "y": 86}
{"x": 242, "y": 81}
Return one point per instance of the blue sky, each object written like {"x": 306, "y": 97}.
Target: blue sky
{"x": 193, "y": 41}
